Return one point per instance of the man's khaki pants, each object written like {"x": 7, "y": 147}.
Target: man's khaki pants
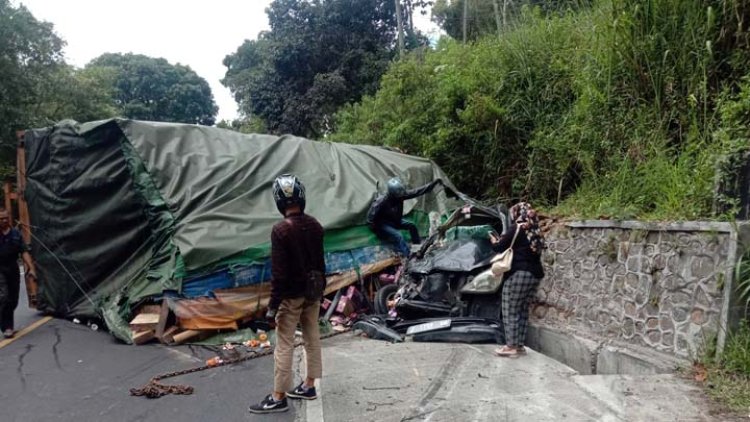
{"x": 290, "y": 312}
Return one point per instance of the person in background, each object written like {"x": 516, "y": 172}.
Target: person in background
{"x": 386, "y": 214}
{"x": 296, "y": 251}
{"x": 11, "y": 247}
{"x": 522, "y": 280}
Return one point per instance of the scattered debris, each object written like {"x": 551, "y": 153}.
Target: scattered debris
{"x": 141, "y": 337}
{"x": 214, "y": 361}
{"x": 700, "y": 373}
{"x": 168, "y": 336}
{"x": 375, "y": 327}
{"x": 178, "y": 321}
{"x": 144, "y": 322}
{"x": 186, "y": 335}
{"x": 164, "y": 318}
{"x": 154, "y": 389}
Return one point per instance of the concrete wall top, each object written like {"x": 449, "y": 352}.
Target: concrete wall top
{"x": 683, "y": 226}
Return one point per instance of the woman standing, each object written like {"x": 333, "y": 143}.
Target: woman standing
{"x": 521, "y": 281}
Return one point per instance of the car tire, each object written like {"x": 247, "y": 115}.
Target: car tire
{"x": 382, "y": 297}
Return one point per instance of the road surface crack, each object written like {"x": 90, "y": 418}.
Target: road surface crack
{"x": 21, "y": 358}
{"x": 58, "y": 339}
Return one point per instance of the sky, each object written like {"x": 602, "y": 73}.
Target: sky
{"x": 196, "y": 33}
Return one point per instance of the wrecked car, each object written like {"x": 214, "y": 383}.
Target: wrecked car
{"x": 446, "y": 289}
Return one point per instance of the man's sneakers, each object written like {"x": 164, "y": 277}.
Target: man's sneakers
{"x": 8, "y": 333}
{"x": 302, "y": 392}
{"x": 269, "y": 405}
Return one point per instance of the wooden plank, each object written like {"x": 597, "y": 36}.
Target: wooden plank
{"x": 168, "y": 336}
{"x": 141, "y": 337}
{"x": 143, "y": 322}
{"x": 186, "y": 335}
{"x": 163, "y": 317}
{"x": 149, "y": 309}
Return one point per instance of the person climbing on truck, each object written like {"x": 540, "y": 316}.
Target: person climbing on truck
{"x": 386, "y": 214}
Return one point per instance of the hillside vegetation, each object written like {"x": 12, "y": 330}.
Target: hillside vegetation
{"x": 622, "y": 109}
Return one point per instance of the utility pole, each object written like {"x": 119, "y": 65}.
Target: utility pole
{"x": 400, "y": 24}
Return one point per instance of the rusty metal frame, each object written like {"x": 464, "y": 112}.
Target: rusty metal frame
{"x": 23, "y": 207}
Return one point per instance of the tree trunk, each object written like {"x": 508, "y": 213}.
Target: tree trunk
{"x": 410, "y": 17}
{"x": 497, "y": 18}
{"x": 505, "y": 12}
{"x": 466, "y": 17}
{"x": 400, "y": 24}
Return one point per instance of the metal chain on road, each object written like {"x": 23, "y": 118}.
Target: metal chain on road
{"x": 154, "y": 389}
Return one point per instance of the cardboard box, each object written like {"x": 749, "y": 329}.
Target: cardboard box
{"x": 345, "y": 306}
{"x": 326, "y": 304}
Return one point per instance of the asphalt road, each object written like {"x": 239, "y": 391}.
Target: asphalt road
{"x": 63, "y": 371}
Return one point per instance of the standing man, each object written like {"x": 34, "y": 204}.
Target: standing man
{"x": 296, "y": 258}
{"x": 386, "y": 215}
{"x": 11, "y": 246}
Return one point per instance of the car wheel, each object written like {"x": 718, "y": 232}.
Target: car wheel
{"x": 384, "y": 294}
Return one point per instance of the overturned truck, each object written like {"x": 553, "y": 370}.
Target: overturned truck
{"x": 126, "y": 212}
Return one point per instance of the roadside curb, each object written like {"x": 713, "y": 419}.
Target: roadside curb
{"x": 601, "y": 356}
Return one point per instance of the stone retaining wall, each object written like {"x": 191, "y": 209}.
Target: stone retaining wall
{"x": 664, "y": 286}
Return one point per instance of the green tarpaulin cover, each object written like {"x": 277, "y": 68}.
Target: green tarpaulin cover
{"x": 122, "y": 210}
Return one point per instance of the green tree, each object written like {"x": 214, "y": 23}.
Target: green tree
{"x": 37, "y": 87}
{"x": 30, "y": 56}
{"x": 79, "y": 94}
{"x": 149, "y": 88}
{"x": 480, "y": 18}
{"x": 620, "y": 109}
{"x": 483, "y": 17}
{"x": 244, "y": 125}
{"x": 317, "y": 56}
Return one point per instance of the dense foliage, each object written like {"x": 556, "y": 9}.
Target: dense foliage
{"x": 632, "y": 108}
{"x": 147, "y": 88}
{"x": 37, "y": 88}
{"x": 317, "y": 56}
{"x": 621, "y": 109}
{"x": 491, "y": 17}
{"x": 30, "y": 52}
